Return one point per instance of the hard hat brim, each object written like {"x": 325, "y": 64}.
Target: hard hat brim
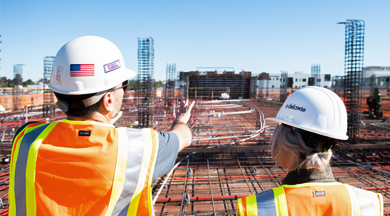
{"x": 280, "y": 121}
{"x": 132, "y": 74}
{"x": 129, "y": 74}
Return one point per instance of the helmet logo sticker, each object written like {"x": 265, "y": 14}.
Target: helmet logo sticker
{"x": 60, "y": 70}
{"x": 295, "y": 107}
{"x": 82, "y": 70}
{"x": 112, "y": 66}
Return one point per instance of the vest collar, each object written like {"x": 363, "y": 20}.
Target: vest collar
{"x": 309, "y": 175}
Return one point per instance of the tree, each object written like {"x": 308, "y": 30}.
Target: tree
{"x": 4, "y": 82}
{"x": 28, "y": 82}
{"x": 44, "y": 80}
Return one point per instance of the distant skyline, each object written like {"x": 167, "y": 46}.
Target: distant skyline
{"x": 256, "y": 36}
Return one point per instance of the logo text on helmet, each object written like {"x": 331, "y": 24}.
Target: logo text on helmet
{"x": 112, "y": 66}
{"x": 295, "y": 107}
{"x": 60, "y": 70}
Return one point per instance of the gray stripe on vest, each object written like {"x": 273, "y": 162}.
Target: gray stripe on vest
{"x": 20, "y": 169}
{"x": 133, "y": 168}
{"x": 266, "y": 203}
{"x": 366, "y": 201}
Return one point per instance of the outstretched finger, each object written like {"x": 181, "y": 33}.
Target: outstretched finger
{"x": 191, "y": 105}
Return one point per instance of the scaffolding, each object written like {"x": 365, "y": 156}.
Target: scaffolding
{"x": 48, "y": 97}
{"x": 170, "y": 86}
{"x": 283, "y": 86}
{"x": 253, "y": 87}
{"x": 316, "y": 73}
{"x": 211, "y": 84}
{"x": 353, "y": 71}
{"x": 18, "y": 88}
{"x": 263, "y": 86}
{"x": 145, "y": 82}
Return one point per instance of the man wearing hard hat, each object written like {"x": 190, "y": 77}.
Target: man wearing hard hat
{"x": 310, "y": 122}
{"x": 84, "y": 165}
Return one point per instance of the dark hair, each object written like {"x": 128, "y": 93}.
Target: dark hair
{"x": 76, "y": 107}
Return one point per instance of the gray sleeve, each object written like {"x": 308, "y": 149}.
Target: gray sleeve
{"x": 167, "y": 153}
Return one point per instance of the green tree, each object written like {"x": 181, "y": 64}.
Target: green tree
{"x": 43, "y": 80}
{"x": 28, "y": 82}
{"x": 3, "y": 82}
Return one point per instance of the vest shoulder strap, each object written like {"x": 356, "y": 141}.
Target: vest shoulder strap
{"x": 21, "y": 160}
{"x": 370, "y": 203}
{"x": 258, "y": 204}
{"x": 133, "y": 192}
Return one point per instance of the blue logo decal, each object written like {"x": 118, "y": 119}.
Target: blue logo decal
{"x": 111, "y": 66}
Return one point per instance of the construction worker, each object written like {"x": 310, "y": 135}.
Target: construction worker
{"x": 310, "y": 122}
{"x": 84, "y": 165}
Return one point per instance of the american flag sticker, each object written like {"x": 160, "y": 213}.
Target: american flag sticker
{"x": 112, "y": 66}
{"x": 82, "y": 70}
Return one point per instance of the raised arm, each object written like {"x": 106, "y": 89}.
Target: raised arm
{"x": 179, "y": 125}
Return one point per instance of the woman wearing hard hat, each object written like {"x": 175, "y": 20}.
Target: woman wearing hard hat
{"x": 310, "y": 122}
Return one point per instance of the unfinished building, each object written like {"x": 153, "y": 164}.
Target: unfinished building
{"x": 145, "y": 82}
{"x": 211, "y": 84}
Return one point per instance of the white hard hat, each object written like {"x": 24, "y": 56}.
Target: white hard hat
{"x": 317, "y": 110}
{"x": 86, "y": 65}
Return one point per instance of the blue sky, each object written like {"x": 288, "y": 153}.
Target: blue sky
{"x": 258, "y": 36}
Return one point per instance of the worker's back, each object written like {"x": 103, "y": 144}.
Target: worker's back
{"x": 81, "y": 168}
{"x": 331, "y": 199}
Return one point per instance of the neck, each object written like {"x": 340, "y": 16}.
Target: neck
{"x": 96, "y": 116}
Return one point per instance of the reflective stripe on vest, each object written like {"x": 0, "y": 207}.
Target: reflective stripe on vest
{"x": 130, "y": 202}
{"x": 134, "y": 160}
{"x": 275, "y": 201}
{"x": 18, "y": 193}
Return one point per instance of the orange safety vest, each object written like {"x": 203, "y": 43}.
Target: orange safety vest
{"x": 82, "y": 168}
{"x": 330, "y": 199}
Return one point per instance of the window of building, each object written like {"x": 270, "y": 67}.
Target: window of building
{"x": 304, "y": 80}
{"x": 327, "y": 77}
{"x": 325, "y": 86}
{"x": 303, "y": 86}
{"x": 296, "y": 79}
{"x": 273, "y": 86}
{"x": 299, "y": 79}
{"x": 277, "y": 78}
{"x": 318, "y": 80}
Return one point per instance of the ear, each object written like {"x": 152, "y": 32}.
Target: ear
{"x": 108, "y": 102}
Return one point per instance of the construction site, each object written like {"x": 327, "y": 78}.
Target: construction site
{"x": 229, "y": 157}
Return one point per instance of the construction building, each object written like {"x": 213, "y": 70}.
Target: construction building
{"x": 229, "y": 157}
{"x": 211, "y": 84}
{"x": 145, "y": 82}
{"x": 274, "y": 83}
